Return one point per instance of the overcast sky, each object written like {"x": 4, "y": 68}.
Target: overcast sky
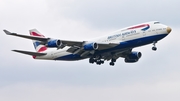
{"x": 156, "y": 77}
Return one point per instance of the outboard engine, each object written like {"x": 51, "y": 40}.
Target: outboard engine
{"x": 54, "y": 43}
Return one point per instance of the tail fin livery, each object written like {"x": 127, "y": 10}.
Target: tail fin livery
{"x": 37, "y": 44}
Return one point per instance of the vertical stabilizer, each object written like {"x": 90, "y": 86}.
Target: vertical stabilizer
{"x": 37, "y": 44}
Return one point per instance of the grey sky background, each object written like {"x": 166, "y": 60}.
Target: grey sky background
{"x": 155, "y": 77}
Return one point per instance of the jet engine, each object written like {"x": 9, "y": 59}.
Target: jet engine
{"x": 133, "y": 57}
{"x": 54, "y": 43}
{"x": 91, "y": 46}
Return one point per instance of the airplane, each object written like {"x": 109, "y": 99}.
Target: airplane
{"x": 106, "y": 48}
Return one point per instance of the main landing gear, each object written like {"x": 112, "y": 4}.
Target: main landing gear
{"x": 112, "y": 62}
{"x": 98, "y": 62}
{"x": 154, "y": 48}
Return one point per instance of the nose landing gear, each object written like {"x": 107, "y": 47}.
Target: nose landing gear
{"x": 154, "y": 48}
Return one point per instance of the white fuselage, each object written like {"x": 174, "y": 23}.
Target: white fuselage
{"x": 140, "y": 34}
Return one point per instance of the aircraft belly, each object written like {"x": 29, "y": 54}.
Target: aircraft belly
{"x": 70, "y": 57}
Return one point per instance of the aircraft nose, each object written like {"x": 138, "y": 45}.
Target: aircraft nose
{"x": 168, "y": 29}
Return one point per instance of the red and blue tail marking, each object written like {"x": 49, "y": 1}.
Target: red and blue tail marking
{"x": 37, "y": 44}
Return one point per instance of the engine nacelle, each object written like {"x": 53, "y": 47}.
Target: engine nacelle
{"x": 91, "y": 46}
{"x": 130, "y": 60}
{"x": 133, "y": 57}
{"x": 54, "y": 43}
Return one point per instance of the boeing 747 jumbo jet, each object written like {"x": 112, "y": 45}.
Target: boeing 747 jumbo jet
{"x": 110, "y": 47}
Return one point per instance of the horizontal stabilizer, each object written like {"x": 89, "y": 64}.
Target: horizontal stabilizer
{"x": 30, "y": 53}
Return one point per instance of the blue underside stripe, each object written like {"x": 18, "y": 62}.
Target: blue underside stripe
{"x": 122, "y": 45}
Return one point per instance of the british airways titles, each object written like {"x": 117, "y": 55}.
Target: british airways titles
{"x": 121, "y": 34}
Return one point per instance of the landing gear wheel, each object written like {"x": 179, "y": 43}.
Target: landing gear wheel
{"x": 91, "y": 60}
{"x": 154, "y": 48}
{"x": 111, "y": 63}
{"x": 98, "y": 62}
{"x": 102, "y": 62}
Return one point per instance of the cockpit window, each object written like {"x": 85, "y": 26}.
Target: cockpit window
{"x": 156, "y": 22}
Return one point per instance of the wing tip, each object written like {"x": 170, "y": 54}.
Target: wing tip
{"x": 8, "y": 32}
{"x": 14, "y": 50}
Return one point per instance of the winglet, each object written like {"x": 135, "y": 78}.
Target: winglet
{"x": 8, "y": 32}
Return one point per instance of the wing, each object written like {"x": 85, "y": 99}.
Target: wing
{"x": 27, "y": 36}
{"x": 74, "y": 45}
{"x": 67, "y": 43}
{"x": 84, "y": 53}
{"x": 116, "y": 54}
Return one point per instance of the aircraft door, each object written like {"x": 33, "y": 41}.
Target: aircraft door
{"x": 144, "y": 33}
{"x": 123, "y": 37}
{"x": 52, "y": 55}
{"x": 157, "y": 31}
